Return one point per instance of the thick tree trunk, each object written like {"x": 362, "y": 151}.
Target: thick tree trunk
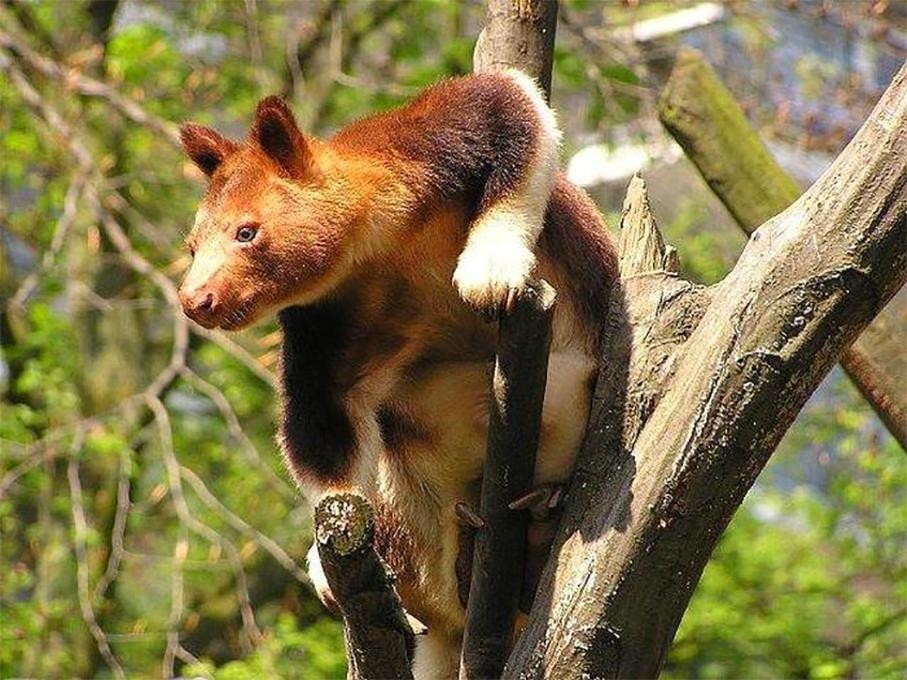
{"x": 687, "y": 410}
{"x": 702, "y": 115}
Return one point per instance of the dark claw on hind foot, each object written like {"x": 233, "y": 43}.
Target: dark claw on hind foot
{"x": 540, "y": 500}
{"x": 467, "y": 516}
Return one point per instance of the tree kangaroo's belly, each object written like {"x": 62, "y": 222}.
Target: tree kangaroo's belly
{"x": 435, "y": 431}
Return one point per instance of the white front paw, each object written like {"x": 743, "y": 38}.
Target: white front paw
{"x": 489, "y": 274}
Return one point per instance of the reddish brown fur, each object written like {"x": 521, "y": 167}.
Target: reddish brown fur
{"x": 575, "y": 236}
{"x": 466, "y": 138}
{"x": 357, "y": 240}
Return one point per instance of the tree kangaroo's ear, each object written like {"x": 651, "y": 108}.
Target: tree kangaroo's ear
{"x": 205, "y": 147}
{"x": 276, "y": 132}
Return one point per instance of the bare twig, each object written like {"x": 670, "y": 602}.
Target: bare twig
{"x": 345, "y": 47}
{"x": 90, "y": 87}
{"x": 238, "y": 352}
{"x": 115, "y": 201}
{"x": 300, "y": 53}
{"x": 229, "y": 415}
{"x": 118, "y": 530}
{"x": 255, "y": 50}
{"x": 67, "y": 218}
{"x": 79, "y": 538}
{"x": 181, "y": 550}
{"x": 268, "y": 544}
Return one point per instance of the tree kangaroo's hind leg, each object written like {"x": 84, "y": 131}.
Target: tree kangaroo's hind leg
{"x": 437, "y": 656}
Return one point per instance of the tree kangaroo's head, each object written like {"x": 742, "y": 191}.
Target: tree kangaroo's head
{"x": 271, "y": 229}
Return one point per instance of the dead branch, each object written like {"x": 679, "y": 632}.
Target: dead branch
{"x": 268, "y": 544}
{"x": 89, "y": 87}
{"x": 521, "y": 36}
{"x": 64, "y": 223}
{"x": 82, "y": 569}
{"x": 702, "y": 115}
{"x": 515, "y": 415}
{"x": 118, "y": 531}
{"x": 220, "y": 401}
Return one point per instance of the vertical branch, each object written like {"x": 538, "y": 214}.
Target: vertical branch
{"x": 515, "y": 416}
{"x": 518, "y": 34}
{"x": 79, "y": 543}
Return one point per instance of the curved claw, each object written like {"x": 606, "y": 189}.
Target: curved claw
{"x": 417, "y": 626}
{"x": 467, "y": 516}
{"x": 512, "y": 296}
{"x": 540, "y": 500}
{"x": 530, "y": 499}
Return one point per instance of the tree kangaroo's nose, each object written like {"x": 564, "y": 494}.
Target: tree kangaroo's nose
{"x": 201, "y": 305}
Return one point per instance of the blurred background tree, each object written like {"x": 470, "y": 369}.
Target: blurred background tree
{"x": 148, "y": 525}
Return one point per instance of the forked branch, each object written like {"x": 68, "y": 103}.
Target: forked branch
{"x": 702, "y": 115}
{"x": 668, "y": 458}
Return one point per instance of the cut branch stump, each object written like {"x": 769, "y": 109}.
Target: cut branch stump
{"x": 379, "y": 639}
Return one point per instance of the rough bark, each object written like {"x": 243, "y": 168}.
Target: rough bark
{"x": 705, "y": 119}
{"x": 687, "y": 410}
{"x": 515, "y": 414}
{"x": 518, "y": 34}
{"x": 379, "y": 640}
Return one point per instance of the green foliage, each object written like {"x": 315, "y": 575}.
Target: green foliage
{"x": 810, "y": 579}
{"x": 286, "y": 652}
{"x": 807, "y": 580}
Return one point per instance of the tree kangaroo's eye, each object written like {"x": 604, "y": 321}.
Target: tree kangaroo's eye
{"x": 246, "y": 233}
